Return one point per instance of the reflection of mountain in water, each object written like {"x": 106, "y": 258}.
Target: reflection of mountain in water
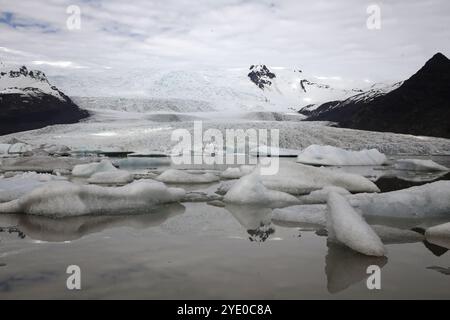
{"x": 255, "y": 219}
{"x": 72, "y": 228}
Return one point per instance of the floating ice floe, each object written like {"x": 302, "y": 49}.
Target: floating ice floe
{"x": 439, "y": 235}
{"x": 250, "y": 190}
{"x": 17, "y": 148}
{"x": 308, "y": 216}
{"x": 321, "y": 196}
{"x": 428, "y": 200}
{"x": 18, "y": 185}
{"x": 236, "y": 173}
{"x": 347, "y": 226}
{"x": 61, "y": 199}
{"x": 333, "y": 156}
{"x": 419, "y": 165}
{"x": 296, "y": 178}
{"x": 87, "y": 170}
{"x": 111, "y": 177}
{"x": 225, "y": 186}
{"x": 180, "y": 176}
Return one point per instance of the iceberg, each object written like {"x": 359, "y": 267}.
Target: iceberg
{"x": 418, "y": 165}
{"x": 321, "y": 196}
{"x": 14, "y": 187}
{"x": 87, "y": 170}
{"x": 250, "y": 190}
{"x": 179, "y": 176}
{"x": 63, "y": 198}
{"x": 236, "y": 173}
{"x": 333, "y": 156}
{"x": 346, "y": 226}
{"x": 307, "y": 216}
{"x": 432, "y": 199}
{"x": 111, "y": 177}
{"x": 296, "y": 178}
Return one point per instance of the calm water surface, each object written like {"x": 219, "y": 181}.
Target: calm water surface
{"x": 194, "y": 250}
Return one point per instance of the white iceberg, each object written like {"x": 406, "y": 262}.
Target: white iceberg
{"x": 321, "y": 196}
{"x": 346, "y": 226}
{"x": 333, "y": 156}
{"x": 87, "y": 170}
{"x": 427, "y": 200}
{"x": 17, "y": 148}
{"x": 296, "y": 178}
{"x": 418, "y": 165}
{"x": 111, "y": 177}
{"x": 308, "y": 216}
{"x": 439, "y": 235}
{"x": 62, "y": 199}
{"x": 236, "y": 173}
{"x": 249, "y": 190}
{"x": 14, "y": 187}
{"x": 180, "y": 176}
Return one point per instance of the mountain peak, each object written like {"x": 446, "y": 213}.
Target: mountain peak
{"x": 261, "y": 76}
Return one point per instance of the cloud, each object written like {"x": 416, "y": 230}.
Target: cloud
{"x": 322, "y": 37}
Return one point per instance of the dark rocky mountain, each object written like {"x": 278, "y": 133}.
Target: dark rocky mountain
{"x": 418, "y": 106}
{"x": 28, "y": 101}
{"x": 261, "y": 76}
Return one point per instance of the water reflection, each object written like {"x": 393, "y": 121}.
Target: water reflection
{"x": 255, "y": 219}
{"x": 72, "y": 228}
{"x": 345, "y": 267}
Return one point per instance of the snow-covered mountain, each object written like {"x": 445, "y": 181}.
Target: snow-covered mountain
{"x": 369, "y": 94}
{"x": 420, "y": 105}
{"x": 257, "y": 88}
{"x": 29, "y": 101}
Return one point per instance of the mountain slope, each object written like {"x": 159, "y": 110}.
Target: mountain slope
{"x": 28, "y": 101}
{"x": 419, "y": 106}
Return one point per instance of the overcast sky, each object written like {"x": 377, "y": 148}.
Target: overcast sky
{"x": 325, "y": 38}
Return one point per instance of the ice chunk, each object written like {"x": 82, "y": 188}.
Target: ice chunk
{"x": 250, "y": 190}
{"x": 18, "y": 185}
{"x": 87, "y": 170}
{"x": 111, "y": 177}
{"x": 346, "y": 226}
{"x": 225, "y": 186}
{"x": 61, "y": 199}
{"x": 321, "y": 196}
{"x": 295, "y": 178}
{"x": 333, "y": 156}
{"x": 439, "y": 235}
{"x": 418, "y": 165}
{"x": 179, "y": 176}
{"x": 428, "y": 200}
{"x": 236, "y": 173}
{"x": 14, "y": 148}
{"x": 308, "y": 216}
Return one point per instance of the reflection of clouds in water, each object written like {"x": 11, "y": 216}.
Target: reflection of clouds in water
{"x": 256, "y": 220}
{"x": 71, "y": 228}
{"x": 345, "y": 267}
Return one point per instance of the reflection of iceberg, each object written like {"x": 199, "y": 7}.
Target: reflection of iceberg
{"x": 345, "y": 267}
{"x": 255, "y": 219}
{"x": 71, "y": 228}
